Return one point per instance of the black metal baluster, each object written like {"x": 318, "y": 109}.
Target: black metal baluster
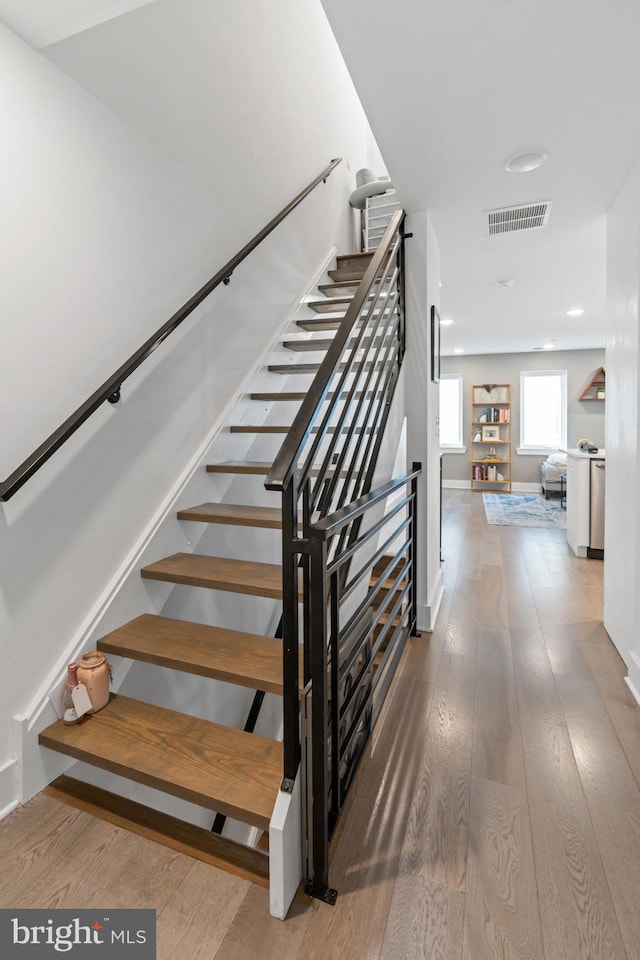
{"x": 290, "y": 653}
{"x": 334, "y": 653}
{"x": 413, "y": 552}
{"x": 319, "y": 884}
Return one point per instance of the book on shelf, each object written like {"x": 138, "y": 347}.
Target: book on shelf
{"x": 488, "y": 473}
{"x": 495, "y": 415}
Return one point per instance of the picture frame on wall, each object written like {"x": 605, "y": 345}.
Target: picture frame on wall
{"x": 435, "y": 345}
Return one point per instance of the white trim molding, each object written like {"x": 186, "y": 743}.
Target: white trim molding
{"x": 428, "y": 612}
{"x": 285, "y": 850}
{"x": 9, "y": 797}
{"x": 633, "y": 679}
{"x": 515, "y": 487}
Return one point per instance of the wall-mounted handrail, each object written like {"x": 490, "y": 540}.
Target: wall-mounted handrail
{"x": 110, "y": 389}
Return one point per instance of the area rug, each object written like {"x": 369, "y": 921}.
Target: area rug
{"x": 523, "y": 510}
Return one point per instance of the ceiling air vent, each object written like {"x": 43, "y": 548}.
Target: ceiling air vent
{"x": 509, "y": 219}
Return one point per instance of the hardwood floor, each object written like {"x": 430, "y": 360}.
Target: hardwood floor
{"x": 496, "y": 814}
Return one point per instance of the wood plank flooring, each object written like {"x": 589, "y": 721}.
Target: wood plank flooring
{"x": 496, "y": 815}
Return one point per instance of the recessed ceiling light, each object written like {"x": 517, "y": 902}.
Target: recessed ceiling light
{"x": 458, "y": 350}
{"x": 505, "y": 284}
{"x": 523, "y": 161}
{"x": 548, "y": 346}
{"x": 575, "y": 312}
{"x": 446, "y": 322}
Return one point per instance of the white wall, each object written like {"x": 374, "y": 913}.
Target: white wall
{"x": 104, "y": 235}
{"x": 41, "y": 22}
{"x": 251, "y": 92}
{"x": 622, "y": 537}
{"x": 422, "y": 405}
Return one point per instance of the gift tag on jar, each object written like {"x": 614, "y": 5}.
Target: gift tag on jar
{"x": 81, "y": 701}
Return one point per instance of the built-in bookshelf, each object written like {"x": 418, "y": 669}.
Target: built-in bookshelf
{"x": 491, "y": 437}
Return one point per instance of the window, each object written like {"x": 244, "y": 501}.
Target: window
{"x": 451, "y": 410}
{"x": 543, "y": 410}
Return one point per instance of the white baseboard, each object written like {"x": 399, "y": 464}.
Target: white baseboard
{"x": 9, "y": 797}
{"x": 634, "y": 690}
{"x": 428, "y": 612}
{"x": 36, "y": 767}
{"x": 515, "y": 487}
{"x": 633, "y": 678}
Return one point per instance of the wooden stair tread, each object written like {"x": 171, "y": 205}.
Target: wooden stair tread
{"x": 286, "y": 368}
{"x": 322, "y": 343}
{"x": 249, "y": 428}
{"x": 226, "y": 770}
{"x": 258, "y": 428}
{"x": 287, "y": 397}
{"x": 346, "y": 276}
{"x": 247, "y": 862}
{"x": 308, "y": 346}
{"x": 383, "y": 595}
{"x": 247, "y": 659}
{"x": 383, "y": 618}
{"x": 357, "y": 261}
{"x": 235, "y": 514}
{"x": 341, "y": 289}
{"x": 218, "y": 573}
{"x": 255, "y": 467}
{"x": 293, "y": 368}
{"x": 381, "y": 564}
{"x": 347, "y": 287}
{"x": 335, "y": 305}
{"x": 319, "y": 323}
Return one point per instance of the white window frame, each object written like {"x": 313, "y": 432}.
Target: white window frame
{"x": 455, "y": 447}
{"x": 529, "y": 450}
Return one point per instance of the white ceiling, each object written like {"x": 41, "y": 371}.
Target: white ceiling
{"x": 41, "y": 22}
{"x": 451, "y": 90}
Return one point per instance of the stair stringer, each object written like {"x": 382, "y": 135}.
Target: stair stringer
{"x": 126, "y": 595}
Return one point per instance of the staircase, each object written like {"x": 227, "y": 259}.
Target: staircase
{"x": 376, "y": 215}
{"x": 228, "y": 771}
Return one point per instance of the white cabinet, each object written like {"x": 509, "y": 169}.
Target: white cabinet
{"x": 579, "y": 498}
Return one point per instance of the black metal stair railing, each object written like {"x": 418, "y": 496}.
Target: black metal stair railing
{"x": 324, "y": 467}
{"x": 362, "y": 611}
